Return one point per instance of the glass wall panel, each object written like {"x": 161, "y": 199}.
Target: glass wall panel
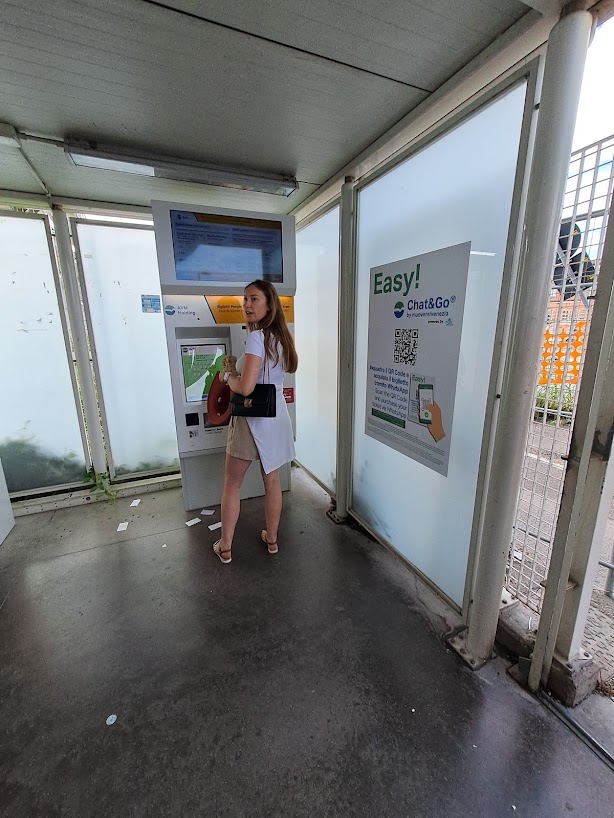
{"x": 40, "y": 438}
{"x": 121, "y": 276}
{"x": 316, "y": 305}
{"x": 457, "y": 189}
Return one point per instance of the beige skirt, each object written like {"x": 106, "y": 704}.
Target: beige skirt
{"x": 240, "y": 440}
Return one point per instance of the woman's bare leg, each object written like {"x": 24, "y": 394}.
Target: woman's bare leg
{"x": 234, "y": 472}
{"x": 272, "y": 503}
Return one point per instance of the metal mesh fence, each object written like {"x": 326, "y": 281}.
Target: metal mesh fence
{"x": 588, "y": 194}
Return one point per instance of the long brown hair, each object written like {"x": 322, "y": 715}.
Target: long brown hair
{"x": 275, "y": 328}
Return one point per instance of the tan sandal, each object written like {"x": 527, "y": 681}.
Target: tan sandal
{"x": 269, "y": 544}
{"x": 218, "y": 552}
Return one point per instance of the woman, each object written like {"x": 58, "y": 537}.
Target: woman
{"x": 269, "y": 354}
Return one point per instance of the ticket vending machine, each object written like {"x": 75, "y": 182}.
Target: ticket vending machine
{"x": 206, "y": 258}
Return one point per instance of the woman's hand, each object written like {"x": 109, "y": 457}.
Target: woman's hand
{"x": 229, "y": 362}
{"x": 245, "y": 382}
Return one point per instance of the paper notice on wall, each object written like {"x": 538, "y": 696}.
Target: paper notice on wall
{"x": 415, "y": 321}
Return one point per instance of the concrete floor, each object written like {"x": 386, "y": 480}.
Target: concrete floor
{"x": 305, "y": 684}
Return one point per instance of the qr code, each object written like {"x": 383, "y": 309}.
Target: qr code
{"x": 405, "y": 346}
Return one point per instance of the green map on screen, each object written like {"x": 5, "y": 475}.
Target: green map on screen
{"x": 200, "y": 364}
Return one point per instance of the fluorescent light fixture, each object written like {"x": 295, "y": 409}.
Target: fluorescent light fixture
{"x": 125, "y": 160}
{"x": 480, "y": 253}
{"x": 111, "y": 164}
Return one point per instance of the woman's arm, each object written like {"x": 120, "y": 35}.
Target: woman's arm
{"x": 245, "y": 382}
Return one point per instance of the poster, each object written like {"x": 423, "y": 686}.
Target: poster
{"x": 415, "y": 322}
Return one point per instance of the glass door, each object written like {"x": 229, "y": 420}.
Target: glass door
{"x": 316, "y": 328}
{"x": 42, "y": 439}
{"x": 119, "y": 270}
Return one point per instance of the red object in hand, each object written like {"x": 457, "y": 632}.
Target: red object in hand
{"x": 218, "y": 402}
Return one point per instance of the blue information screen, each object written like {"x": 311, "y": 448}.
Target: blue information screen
{"x": 229, "y": 249}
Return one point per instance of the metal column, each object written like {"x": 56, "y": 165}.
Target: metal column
{"x": 66, "y": 262}
{"x": 347, "y": 335}
{"x": 574, "y": 561}
{"x": 563, "y": 71}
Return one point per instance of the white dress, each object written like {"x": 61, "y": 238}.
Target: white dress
{"x": 273, "y": 437}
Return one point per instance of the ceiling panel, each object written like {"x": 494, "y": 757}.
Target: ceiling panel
{"x": 141, "y": 75}
{"x": 420, "y": 43}
{"x": 300, "y": 89}
{"x": 15, "y": 174}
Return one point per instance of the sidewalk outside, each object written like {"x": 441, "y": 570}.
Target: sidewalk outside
{"x": 599, "y": 632}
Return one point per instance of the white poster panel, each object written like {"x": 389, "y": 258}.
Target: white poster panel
{"x": 416, "y": 311}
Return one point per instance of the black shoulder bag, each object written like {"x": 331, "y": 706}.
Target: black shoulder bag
{"x": 261, "y": 403}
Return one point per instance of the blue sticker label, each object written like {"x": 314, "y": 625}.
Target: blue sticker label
{"x": 151, "y": 303}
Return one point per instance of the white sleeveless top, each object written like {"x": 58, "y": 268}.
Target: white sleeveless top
{"x": 274, "y": 437}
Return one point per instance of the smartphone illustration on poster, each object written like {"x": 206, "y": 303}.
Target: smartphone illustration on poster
{"x": 425, "y": 398}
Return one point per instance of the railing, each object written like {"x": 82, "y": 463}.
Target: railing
{"x": 588, "y": 195}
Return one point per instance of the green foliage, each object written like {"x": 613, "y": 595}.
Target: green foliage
{"x": 100, "y": 482}
{"x": 550, "y": 401}
{"x": 27, "y": 466}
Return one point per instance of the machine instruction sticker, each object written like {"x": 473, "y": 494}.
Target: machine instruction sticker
{"x": 151, "y": 303}
{"x": 415, "y": 321}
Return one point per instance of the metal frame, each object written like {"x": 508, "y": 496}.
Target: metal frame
{"x": 15, "y": 198}
{"x": 59, "y": 293}
{"x": 348, "y": 221}
{"x": 67, "y": 339}
{"x": 559, "y": 97}
{"x": 569, "y": 575}
{"x": 526, "y": 582}
{"x": 80, "y": 496}
{"x": 504, "y": 319}
{"x": 66, "y": 260}
{"x": 74, "y": 223}
{"x": 109, "y": 223}
{"x": 529, "y": 74}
